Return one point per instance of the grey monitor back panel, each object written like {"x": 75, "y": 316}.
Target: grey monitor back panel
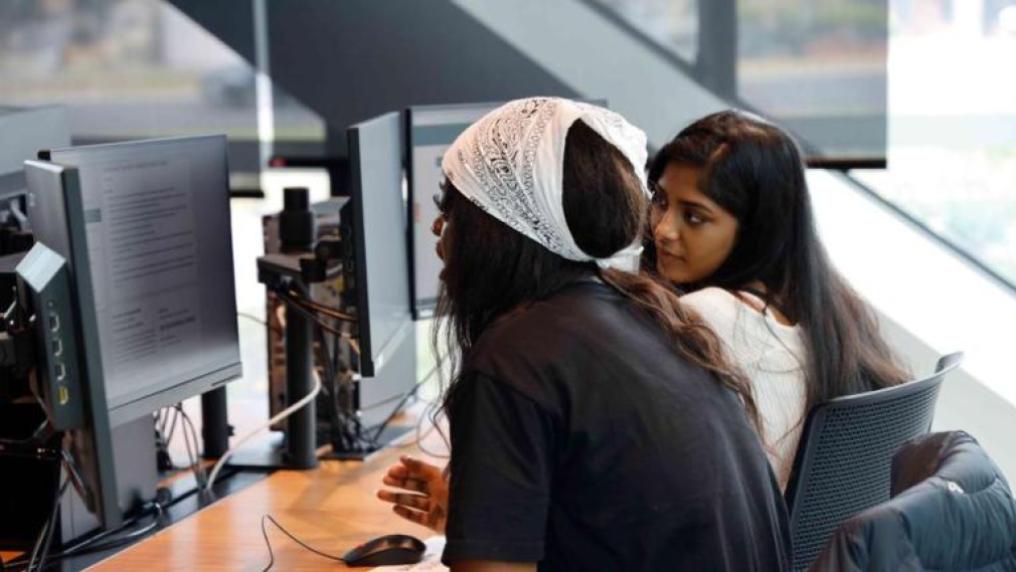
{"x": 430, "y": 129}
{"x": 378, "y": 205}
{"x": 158, "y": 255}
{"x": 54, "y": 196}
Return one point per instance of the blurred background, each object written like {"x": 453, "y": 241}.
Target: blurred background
{"x": 907, "y": 109}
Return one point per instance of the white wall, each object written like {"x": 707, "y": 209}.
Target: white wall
{"x": 930, "y": 302}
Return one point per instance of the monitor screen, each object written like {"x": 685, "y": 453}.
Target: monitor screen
{"x": 157, "y": 231}
{"x": 430, "y": 129}
{"x": 378, "y": 201}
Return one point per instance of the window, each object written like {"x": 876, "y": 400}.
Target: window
{"x": 130, "y": 69}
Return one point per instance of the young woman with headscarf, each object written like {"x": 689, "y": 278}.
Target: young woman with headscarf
{"x": 594, "y": 424}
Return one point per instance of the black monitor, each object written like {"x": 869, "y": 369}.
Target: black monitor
{"x": 158, "y": 298}
{"x": 430, "y": 130}
{"x": 380, "y": 240}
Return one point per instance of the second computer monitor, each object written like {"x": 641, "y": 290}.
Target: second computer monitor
{"x": 378, "y": 199}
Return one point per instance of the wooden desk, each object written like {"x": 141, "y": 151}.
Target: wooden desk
{"x": 332, "y": 508}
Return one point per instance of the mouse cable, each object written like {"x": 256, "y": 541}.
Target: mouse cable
{"x": 271, "y": 554}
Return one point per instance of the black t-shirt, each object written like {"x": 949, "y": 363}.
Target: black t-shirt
{"x": 582, "y": 440}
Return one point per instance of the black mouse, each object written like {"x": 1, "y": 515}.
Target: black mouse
{"x": 388, "y": 550}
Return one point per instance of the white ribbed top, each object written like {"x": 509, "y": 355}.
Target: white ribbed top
{"x": 771, "y": 354}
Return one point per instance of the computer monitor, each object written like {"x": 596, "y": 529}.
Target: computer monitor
{"x": 147, "y": 231}
{"x": 380, "y": 239}
{"x": 430, "y": 130}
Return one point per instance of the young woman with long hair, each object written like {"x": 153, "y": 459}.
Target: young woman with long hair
{"x": 732, "y": 228}
{"x": 594, "y": 423}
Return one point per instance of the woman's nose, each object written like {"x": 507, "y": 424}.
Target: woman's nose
{"x": 437, "y": 226}
{"x": 667, "y": 229}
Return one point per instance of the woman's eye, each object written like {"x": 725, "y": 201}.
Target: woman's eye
{"x": 693, "y": 218}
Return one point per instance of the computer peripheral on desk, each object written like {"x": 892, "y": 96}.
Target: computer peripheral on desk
{"x": 388, "y": 550}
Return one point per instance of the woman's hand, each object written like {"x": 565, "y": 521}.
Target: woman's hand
{"x": 427, "y": 503}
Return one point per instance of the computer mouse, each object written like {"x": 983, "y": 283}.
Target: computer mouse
{"x": 388, "y": 550}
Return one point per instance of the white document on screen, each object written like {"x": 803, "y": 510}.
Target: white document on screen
{"x": 143, "y": 247}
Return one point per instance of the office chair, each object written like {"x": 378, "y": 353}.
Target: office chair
{"x": 843, "y": 462}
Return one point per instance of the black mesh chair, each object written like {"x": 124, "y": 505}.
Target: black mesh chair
{"x": 844, "y": 459}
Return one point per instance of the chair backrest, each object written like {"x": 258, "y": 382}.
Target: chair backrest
{"x": 844, "y": 459}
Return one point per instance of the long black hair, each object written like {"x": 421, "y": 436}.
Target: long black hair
{"x": 491, "y": 270}
{"x": 753, "y": 170}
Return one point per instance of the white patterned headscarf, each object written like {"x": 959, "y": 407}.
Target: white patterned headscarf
{"x": 510, "y": 163}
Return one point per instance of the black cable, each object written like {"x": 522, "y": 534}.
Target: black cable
{"x": 326, "y": 310}
{"x": 328, "y": 390}
{"x": 164, "y": 461}
{"x": 76, "y": 479}
{"x": 126, "y": 539}
{"x": 336, "y": 352}
{"x": 191, "y": 460}
{"x": 350, "y": 424}
{"x": 268, "y": 543}
{"x": 89, "y": 545}
{"x": 297, "y": 305}
{"x": 195, "y": 456}
{"x": 291, "y": 303}
{"x": 38, "y": 545}
{"x": 339, "y": 423}
{"x": 301, "y": 303}
{"x": 309, "y": 312}
{"x": 46, "y": 534}
{"x": 38, "y": 430}
{"x": 49, "y": 534}
{"x": 25, "y": 440}
{"x": 195, "y": 441}
{"x": 172, "y": 426}
{"x": 271, "y": 553}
